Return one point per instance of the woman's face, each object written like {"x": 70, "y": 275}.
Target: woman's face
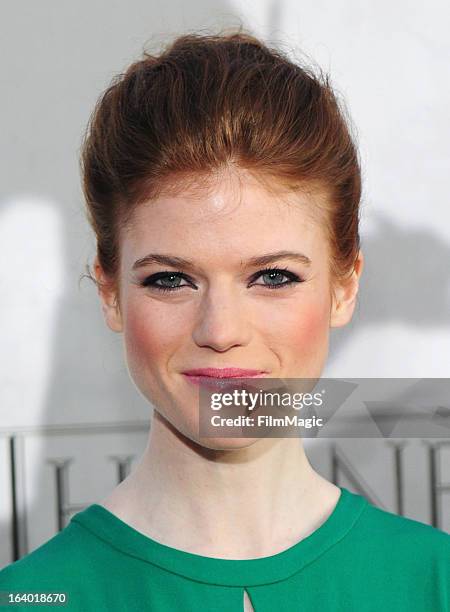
{"x": 225, "y": 310}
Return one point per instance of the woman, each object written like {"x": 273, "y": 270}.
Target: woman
{"x": 223, "y": 186}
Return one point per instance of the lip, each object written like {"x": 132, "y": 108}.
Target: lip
{"x": 220, "y": 379}
{"x": 220, "y": 384}
{"x": 229, "y": 372}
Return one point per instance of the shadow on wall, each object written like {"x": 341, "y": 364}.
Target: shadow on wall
{"x": 406, "y": 279}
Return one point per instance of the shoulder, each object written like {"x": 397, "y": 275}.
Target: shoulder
{"x": 56, "y": 565}
{"x": 405, "y": 535}
{"x": 400, "y": 562}
{"x": 74, "y": 562}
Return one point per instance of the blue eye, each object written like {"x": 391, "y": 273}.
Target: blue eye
{"x": 170, "y": 281}
{"x": 273, "y": 275}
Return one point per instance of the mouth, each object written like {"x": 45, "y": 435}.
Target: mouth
{"x": 221, "y": 378}
{"x": 228, "y": 372}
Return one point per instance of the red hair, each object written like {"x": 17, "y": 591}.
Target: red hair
{"x": 208, "y": 102}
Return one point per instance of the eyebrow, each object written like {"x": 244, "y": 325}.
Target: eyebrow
{"x": 180, "y": 262}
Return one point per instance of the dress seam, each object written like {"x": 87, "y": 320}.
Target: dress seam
{"x": 139, "y": 558}
{"x": 221, "y": 584}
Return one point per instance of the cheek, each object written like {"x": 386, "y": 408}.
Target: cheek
{"x": 311, "y": 326}
{"x": 309, "y": 342}
{"x": 299, "y": 335}
{"x": 150, "y": 333}
{"x": 301, "y": 323}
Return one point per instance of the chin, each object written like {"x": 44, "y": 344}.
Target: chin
{"x": 191, "y": 437}
{"x": 226, "y": 444}
{"x": 186, "y": 428}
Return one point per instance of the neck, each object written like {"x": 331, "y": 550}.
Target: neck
{"x": 242, "y": 503}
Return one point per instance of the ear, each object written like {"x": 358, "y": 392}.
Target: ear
{"x": 109, "y": 299}
{"x": 344, "y": 295}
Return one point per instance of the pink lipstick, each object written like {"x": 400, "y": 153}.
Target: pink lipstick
{"x": 220, "y": 378}
{"x": 230, "y": 372}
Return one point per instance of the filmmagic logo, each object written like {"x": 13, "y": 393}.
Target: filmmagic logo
{"x": 266, "y": 420}
{"x": 249, "y": 400}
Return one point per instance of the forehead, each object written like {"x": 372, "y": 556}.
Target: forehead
{"x": 230, "y": 213}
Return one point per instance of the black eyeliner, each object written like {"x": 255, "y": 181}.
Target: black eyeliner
{"x": 150, "y": 281}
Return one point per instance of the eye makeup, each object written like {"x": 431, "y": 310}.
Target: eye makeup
{"x": 175, "y": 277}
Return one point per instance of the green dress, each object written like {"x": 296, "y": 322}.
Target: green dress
{"x": 362, "y": 558}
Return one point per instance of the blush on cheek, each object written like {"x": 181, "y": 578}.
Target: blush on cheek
{"x": 303, "y": 343}
{"x": 151, "y": 335}
{"x": 144, "y": 339}
{"x": 313, "y": 325}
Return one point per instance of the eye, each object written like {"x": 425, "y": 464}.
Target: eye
{"x": 171, "y": 281}
{"x": 165, "y": 281}
{"x": 273, "y": 277}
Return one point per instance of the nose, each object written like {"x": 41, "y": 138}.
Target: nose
{"x": 222, "y": 322}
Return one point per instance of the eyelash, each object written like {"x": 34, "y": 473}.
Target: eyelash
{"x": 150, "y": 281}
